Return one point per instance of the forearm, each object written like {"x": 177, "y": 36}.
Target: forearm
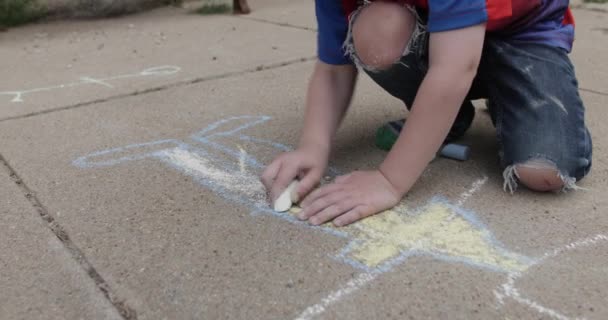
{"x": 329, "y": 95}
{"x": 437, "y": 103}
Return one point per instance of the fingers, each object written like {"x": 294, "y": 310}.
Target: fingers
{"x": 355, "y": 214}
{"x": 307, "y": 183}
{"x": 342, "y": 179}
{"x": 320, "y": 193}
{"x": 350, "y": 199}
{"x": 333, "y": 211}
{"x": 333, "y": 199}
{"x": 338, "y": 206}
{"x": 284, "y": 177}
{"x": 270, "y": 173}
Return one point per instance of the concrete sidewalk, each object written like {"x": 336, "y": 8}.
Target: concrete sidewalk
{"x": 129, "y": 155}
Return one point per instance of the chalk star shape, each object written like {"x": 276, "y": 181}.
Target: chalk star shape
{"x": 439, "y": 230}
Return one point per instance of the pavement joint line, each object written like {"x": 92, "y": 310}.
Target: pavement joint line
{"x": 594, "y": 91}
{"x": 586, "y": 8}
{"x": 280, "y": 24}
{"x": 178, "y": 84}
{"x": 120, "y": 305}
{"x": 191, "y": 82}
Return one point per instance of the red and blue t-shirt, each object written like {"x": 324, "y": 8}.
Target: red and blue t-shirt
{"x": 540, "y": 21}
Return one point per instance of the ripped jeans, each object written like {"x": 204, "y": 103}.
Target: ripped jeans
{"x": 533, "y": 100}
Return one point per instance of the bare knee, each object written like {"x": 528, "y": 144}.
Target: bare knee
{"x": 381, "y": 33}
{"x": 540, "y": 175}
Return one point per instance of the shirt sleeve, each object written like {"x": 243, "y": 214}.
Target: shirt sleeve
{"x": 333, "y": 28}
{"x": 445, "y": 15}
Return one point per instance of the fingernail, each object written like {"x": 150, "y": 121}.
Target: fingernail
{"x": 338, "y": 223}
{"x": 302, "y": 215}
{"x": 314, "y": 222}
{"x": 295, "y": 198}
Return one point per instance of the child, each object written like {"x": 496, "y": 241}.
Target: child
{"x": 436, "y": 56}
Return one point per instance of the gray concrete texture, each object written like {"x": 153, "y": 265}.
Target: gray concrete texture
{"x": 38, "y": 276}
{"x": 138, "y": 53}
{"x": 98, "y": 8}
{"x": 170, "y": 220}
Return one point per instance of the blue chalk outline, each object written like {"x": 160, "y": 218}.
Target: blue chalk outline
{"x": 203, "y": 140}
{"x": 85, "y": 161}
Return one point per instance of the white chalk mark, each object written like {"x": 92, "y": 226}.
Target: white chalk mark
{"x": 199, "y": 167}
{"x": 155, "y": 71}
{"x": 160, "y": 71}
{"x": 469, "y": 193}
{"x": 17, "y": 97}
{"x": 474, "y": 188}
{"x": 508, "y": 289}
{"x": 96, "y": 81}
{"x": 351, "y": 286}
{"x": 245, "y": 188}
{"x": 242, "y": 159}
{"x": 575, "y": 245}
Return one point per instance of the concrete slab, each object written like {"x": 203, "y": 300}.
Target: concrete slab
{"x": 293, "y": 13}
{"x": 588, "y": 56}
{"x": 38, "y": 277}
{"x": 67, "y": 63}
{"x": 163, "y": 199}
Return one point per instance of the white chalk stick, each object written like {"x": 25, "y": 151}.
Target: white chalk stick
{"x": 284, "y": 201}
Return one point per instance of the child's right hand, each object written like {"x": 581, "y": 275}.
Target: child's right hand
{"x": 307, "y": 163}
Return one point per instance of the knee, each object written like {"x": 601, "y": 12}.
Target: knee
{"x": 381, "y": 34}
{"x": 539, "y": 175}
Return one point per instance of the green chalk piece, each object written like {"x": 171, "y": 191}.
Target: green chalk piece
{"x": 387, "y": 135}
{"x": 385, "y": 139}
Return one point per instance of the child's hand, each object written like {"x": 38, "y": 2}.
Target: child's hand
{"x": 350, "y": 198}
{"x": 307, "y": 163}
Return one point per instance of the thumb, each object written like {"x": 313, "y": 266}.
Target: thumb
{"x": 285, "y": 176}
{"x": 307, "y": 183}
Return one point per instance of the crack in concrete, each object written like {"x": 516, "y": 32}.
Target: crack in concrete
{"x": 587, "y": 8}
{"x": 276, "y": 23}
{"x": 121, "y": 305}
{"x": 195, "y": 81}
{"x": 127, "y": 312}
{"x": 594, "y": 91}
{"x": 178, "y": 84}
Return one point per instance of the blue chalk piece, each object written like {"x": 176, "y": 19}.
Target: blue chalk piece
{"x": 455, "y": 151}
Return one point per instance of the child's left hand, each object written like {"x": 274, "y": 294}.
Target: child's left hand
{"x": 350, "y": 198}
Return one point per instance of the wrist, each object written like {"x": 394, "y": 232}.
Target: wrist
{"x": 399, "y": 185}
{"x": 318, "y": 144}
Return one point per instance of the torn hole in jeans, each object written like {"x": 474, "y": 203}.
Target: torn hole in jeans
{"x": 511, "y": 176}
{"x": 349, "y": 44}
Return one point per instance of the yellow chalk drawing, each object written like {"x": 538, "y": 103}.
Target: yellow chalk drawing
{"x": 378, "y": 243}
{"x": 437, "y": 230}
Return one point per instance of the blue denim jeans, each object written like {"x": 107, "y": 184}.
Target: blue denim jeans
{"x": 532, "y": 96}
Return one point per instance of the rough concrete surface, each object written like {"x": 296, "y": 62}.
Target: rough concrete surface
{"x": 295, "y": 14}
{"x": 38, "y": 276}
{"x": 97, "y": 60}
{"x": 97, "y": 8}
{"x": 158, "y": 190}
{"x": 588, "y": 56}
